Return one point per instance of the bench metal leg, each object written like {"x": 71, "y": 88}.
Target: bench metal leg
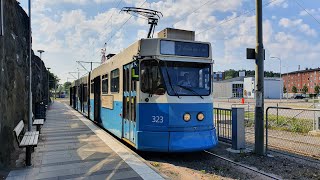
{"x": 38, "y": 128}
{"x": 28, "y": 155}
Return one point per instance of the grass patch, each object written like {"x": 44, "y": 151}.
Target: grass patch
{"x": 283, "y": 123}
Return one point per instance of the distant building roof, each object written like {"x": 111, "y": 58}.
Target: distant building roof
{"x": 302, "y": 71}
{"x": 242, "y": 79}
{"x": 231, "y": 80}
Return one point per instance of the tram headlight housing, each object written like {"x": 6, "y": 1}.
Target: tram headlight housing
{"x": 186, "y": 117}
{"x": 200, "y": 116}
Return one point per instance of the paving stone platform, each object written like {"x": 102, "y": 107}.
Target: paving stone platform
{"x": 72, "y": 147}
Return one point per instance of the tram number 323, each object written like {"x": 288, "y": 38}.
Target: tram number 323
{"x": 157, "y": 119}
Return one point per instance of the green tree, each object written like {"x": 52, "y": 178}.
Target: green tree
{"x": 305, "y": 89}
{"x": 66, "y": 87}
{"x": 53, "y": 80}
{"x": 317, "y": 89}
{"x": 294, "y": 89}
{"x": 284, "y": 89}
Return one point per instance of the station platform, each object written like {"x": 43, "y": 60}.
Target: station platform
{"x": 72, "y": 147}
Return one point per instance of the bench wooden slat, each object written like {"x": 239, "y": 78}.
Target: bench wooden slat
{"x": 38, "y": 122}
{"x": 32, "y": 139}
{"x": 39, "y": 119}
{"x": 35, "y": 140}
{"x": 29, "y": 133}
{"x": 29, "y": 139}
{"x": 19, "y": 128}
{"x": 23, "y": 141}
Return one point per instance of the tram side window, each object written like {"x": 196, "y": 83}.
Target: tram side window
{"x": 85, "y": 93}
{"x": 151, "y": 78}
{"x": 91, "y": 88}
{"x": 105, "y": 84}
{"x": 115, "y": 80}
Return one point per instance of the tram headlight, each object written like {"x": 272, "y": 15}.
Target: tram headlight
{"x": 186, "y": 117}
{"x": 200, "y": 116}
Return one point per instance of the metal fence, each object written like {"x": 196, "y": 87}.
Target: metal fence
{"x": 293, "y": 130}
{"x": 287, "y": 130}
{"x": 223, "y": 121}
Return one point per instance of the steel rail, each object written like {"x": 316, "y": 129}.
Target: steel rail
{"x": 242, "y": 165}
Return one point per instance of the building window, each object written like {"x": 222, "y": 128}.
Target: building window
{"x": 105, "y": 84}
{"x": 115, "y": 80}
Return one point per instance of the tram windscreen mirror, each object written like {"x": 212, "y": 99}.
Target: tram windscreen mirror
{"x": 180, "y": 48}
{"x": 135, "y": 73}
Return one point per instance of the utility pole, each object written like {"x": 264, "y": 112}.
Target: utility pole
{"x": 259, "y": 81}
{"x": 30, "y": 71}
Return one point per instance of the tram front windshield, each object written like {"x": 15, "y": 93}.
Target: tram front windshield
{"x": 178, "y": 78}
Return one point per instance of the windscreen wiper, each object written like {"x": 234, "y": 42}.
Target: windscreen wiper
{"x": 191, "y": 90}
{"x": 169, "y": 79}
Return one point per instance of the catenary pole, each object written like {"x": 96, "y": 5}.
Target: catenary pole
{"x": 259, "y": 78}
{"x": 30, "y": 71}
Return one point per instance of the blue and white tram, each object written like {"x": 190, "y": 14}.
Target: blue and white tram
{"x": 156, "y": 95}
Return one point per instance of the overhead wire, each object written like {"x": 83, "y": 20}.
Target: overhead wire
{"x": 93, "y": 42}
{"x": 307, "y": 12}
{"x": 195, "y": 11}
{"x": 106, "y": 43}
{"x": 235, "y": 17}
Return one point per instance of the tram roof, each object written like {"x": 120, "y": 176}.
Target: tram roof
{"x": 151, "y": 47}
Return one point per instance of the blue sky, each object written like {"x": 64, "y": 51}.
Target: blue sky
{"x": 76, "y": 30}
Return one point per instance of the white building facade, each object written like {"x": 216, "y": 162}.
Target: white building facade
{"x": 273, "y": 88}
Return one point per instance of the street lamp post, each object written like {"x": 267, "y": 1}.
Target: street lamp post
{"x": 280, "y": 76}
{"x": 28, "y": 149}
{"x": 41, "y": 51}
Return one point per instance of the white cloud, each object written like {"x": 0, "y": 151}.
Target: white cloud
{"x": 314, "y": 12}
{"x": 279, "y": 3}
{"x": 304, "y": 28}
{"x": 74, "y": 34}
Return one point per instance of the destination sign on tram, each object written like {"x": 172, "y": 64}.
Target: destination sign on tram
{"x": 179, "y": 48}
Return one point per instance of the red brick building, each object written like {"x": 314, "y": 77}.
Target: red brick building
{"x": 309, "y": 77}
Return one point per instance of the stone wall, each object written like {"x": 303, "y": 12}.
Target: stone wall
{"x": 14, "y": 78}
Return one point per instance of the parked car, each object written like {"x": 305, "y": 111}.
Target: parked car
{"x": 299, "y": 97}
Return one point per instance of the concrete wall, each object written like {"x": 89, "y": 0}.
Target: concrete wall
{"x": 222, "y": 90}
{"x": 14, "y": 80}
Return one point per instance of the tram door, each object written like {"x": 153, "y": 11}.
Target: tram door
{"x": 75, "y": 97}
{"x": 80, "y": 98}
{"x": 129, "y": 104}
{"x": 70, "y": 96}
{"x": 97, "y": 98}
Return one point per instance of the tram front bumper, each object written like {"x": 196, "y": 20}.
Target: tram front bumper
{"x": 186, "y": 141}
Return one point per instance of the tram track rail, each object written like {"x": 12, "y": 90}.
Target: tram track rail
{"x": 243, "y": 166}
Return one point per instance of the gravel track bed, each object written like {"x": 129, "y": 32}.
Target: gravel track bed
{"x": 200, "y": 165}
